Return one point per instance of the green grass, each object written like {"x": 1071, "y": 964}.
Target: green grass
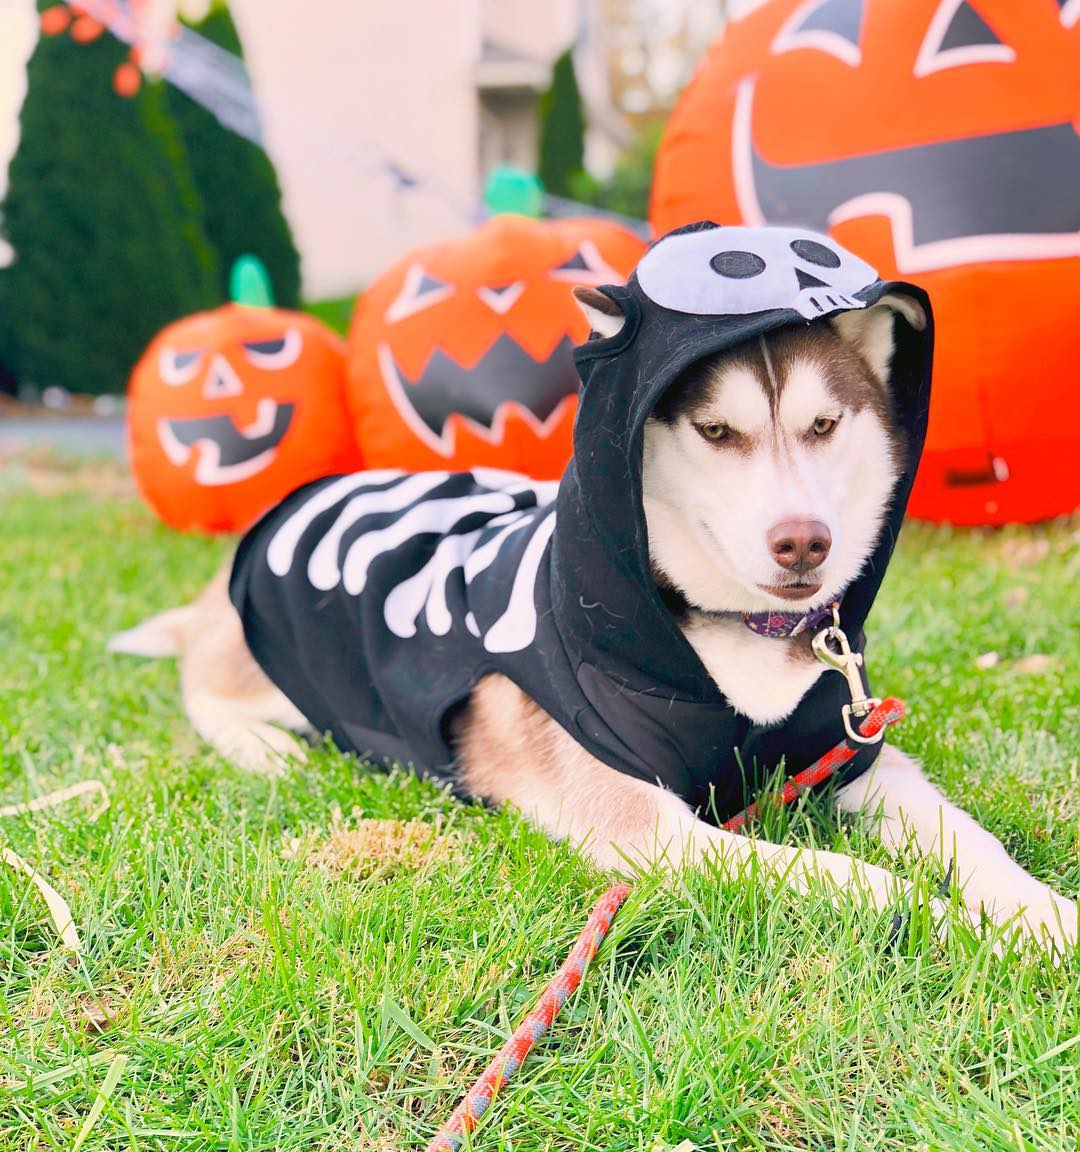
{"x": 266, "y": 1003}
{"x": 336, "y": 312}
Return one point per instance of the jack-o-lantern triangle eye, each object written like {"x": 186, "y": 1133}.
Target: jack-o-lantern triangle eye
{"x": 957, "y": 35}
{"x": 833, "y": 26}
{"x": 586, "y": 266}
{"x": 1070, "y": 12}
{"x": 419, "y": 291}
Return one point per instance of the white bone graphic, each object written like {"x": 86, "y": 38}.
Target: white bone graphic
{"x": 282, "y": 548}
{"x": 323, "y": 570}
{"x": 425, "y": 593}
{"x": 516, "y": 627}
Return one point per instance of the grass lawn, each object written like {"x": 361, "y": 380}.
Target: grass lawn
{"x": 335, "y": 312}
{"x": 283, "y": 973}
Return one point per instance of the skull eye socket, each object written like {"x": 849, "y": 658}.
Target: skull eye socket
{"x": 814, "y": 253}
{"x": 179, "y": 367}
{"x": 737, "y": 265}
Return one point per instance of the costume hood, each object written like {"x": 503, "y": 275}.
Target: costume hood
{"x": 377, "y": 601}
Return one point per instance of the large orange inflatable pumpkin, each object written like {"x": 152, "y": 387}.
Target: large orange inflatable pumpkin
{"x": 461, "y": 354}
{"x": 938, "y": 140}
{"x": 230, "y": 410}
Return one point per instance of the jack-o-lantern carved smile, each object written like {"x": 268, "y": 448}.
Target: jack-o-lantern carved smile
{"x": 227, "y": 453}
{"x": 542, "y": 391}
{"x": 462, "y": 355}
{"x": 996, "y": 171}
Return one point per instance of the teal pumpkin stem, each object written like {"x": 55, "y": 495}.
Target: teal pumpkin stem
{"x": 249, "y": 283}
{"x": 515, "y": 191}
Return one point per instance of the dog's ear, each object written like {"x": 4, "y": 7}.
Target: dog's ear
{"x": 870, "y": 330}
{"x": 605, "y": 317}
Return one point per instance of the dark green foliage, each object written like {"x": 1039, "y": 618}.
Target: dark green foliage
{"x": 104, "y": 220}
{"x": 562, "y": 129}
{"x": 237, "y": 184}
{"x": 626, "y": 190}
{"x": 9, "y": 382}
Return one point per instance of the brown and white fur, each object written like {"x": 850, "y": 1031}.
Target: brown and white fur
{"x": 767, "y": 472}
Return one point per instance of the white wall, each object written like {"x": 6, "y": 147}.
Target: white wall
{"x": 346, "y": 87}
{"x": 18, "y": 34}
{"x": 543, "y": 30}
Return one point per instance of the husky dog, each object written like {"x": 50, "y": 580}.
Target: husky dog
{"x": 768, "y": 477}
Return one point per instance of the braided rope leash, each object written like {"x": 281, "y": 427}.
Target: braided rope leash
{"x": 512, "y": 1055}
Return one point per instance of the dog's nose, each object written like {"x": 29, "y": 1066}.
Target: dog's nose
{"x": 800, "y": 544}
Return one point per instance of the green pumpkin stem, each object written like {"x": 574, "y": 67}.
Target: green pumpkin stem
{"x": 249, "y": 283}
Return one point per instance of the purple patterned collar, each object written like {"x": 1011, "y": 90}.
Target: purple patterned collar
{"x": 785, "y": 625}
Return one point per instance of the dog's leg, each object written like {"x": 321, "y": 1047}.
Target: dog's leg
{"x": 899, "y": 803}
{"x": 512, "y": 752}
{"x": 229, "y": 699}
{"x": 246, "y": 729}
{"x": 227, "y": 696}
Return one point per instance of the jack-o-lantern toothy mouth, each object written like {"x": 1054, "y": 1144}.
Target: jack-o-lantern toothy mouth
{"x": 995, "y": 219}
{"x": 505, "y": 376}
{"x": 226, "y": 453}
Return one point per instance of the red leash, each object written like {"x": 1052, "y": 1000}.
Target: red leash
{"x": 512, "y": 1055}
{"x": 889, "y": 711}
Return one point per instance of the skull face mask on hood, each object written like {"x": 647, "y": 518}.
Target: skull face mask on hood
{"x": 376, "y": 601}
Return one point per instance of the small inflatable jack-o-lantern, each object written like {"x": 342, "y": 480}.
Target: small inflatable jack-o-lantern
{"x": 937, "y": 140}
{"x": 461, "y": 355}
{"x": 230, "y": 410}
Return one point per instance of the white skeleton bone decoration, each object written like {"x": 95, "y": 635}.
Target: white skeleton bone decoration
{"x": 735, "y": 271}
{"x": 424, "y": 593}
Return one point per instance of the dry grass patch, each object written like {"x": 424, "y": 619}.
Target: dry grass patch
{"x": 366, "y": 847}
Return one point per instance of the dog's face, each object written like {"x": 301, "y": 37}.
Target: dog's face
{"x": 767, "y": 470}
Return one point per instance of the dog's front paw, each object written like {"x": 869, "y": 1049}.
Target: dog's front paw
{"x": 1042, "y": 916}
{"x": 259, "y": 748}
{"x": 1050, "y": 921}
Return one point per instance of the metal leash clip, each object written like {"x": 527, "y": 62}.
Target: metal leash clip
{"x": 844, "y": 660}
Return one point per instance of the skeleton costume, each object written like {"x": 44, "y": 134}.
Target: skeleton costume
{"x": 376, "y": 601}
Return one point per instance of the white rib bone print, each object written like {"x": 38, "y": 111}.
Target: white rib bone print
{"x": 424, "y": 593}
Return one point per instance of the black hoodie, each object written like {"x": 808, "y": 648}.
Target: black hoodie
{"x": 375, "y": 602}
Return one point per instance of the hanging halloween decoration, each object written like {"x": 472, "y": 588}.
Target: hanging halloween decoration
{"x": 232, "y": 409}
{"x": 950, "y": 156}
{"x": 86, "y": 20}
{"x": 461, "y": 354}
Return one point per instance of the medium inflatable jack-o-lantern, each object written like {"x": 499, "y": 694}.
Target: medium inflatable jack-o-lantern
{"x": 937, "y": 139}
{"x": 461, "y": 354}
{"x": 230, "y": 410}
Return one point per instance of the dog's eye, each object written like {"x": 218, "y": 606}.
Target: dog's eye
{"x": 714, "y": 432}
{"x": 823, "y": 425}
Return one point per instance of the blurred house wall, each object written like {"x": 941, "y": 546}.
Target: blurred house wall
{"x": 348, "y": 89}
{"x": 444, "y": 89}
